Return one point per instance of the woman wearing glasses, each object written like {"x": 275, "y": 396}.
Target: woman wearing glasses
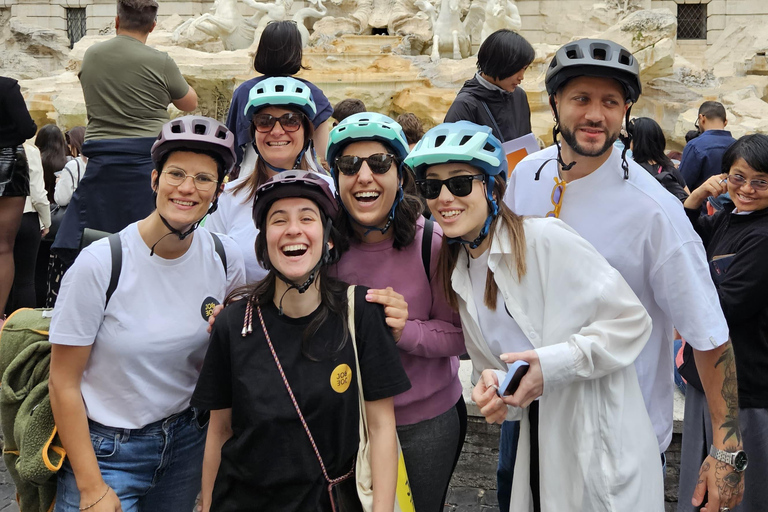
{"x": 532, "y": 290}
{"x": 382, "y": 217}
{"x": 125, "y": 359}
{"x": 281, "y": 110}
{"x": 736, "y": 240}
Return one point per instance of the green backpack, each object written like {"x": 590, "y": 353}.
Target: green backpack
{"x": 32, "y": 451}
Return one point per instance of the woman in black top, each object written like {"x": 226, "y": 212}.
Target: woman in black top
{"x": 258, "y": 453}
{"x": 16, "y": 126}
{"x": 736, "y": 239}
{"x": 648, "y": 144}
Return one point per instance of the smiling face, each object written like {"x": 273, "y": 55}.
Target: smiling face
{"x": 591, "y": 111}
{"x": 746, "y": 198}
{"x": 369, "y": 197}
{"x": 294, "y": 235}
{"x": 279, "y": 147}
{"x": 183, "y": 205}
{"x": 460, "y": 217}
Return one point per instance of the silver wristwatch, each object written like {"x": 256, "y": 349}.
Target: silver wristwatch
{"x": 738, "y": 460}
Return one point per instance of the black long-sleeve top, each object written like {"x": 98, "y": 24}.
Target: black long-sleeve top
{"x": 16, "y": 125}
{"x": 743, "y": 291}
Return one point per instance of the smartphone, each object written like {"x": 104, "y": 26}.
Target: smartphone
{"x": 511, "y": 382}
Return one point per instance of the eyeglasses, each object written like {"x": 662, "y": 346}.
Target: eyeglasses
{"x": 557, "y": 198}
{"x": 203, "y": 181}
{"x": 459, "y": 186}
{"x": 378, "y": 163}
{"x": 739, "y": 181}
{"x": 290, "y": 122}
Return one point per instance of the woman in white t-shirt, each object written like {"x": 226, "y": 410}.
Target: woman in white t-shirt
{"x": 124, "y": 364}
{"x": 533, "y": 291}
{"x": 69, "y": 177}
{"x": 281, "y": 110}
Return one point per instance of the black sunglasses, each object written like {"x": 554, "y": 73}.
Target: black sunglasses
{"x": 378, "y": 163}
{"x": 459, "y": 186}
{"x": 290, "y": 122}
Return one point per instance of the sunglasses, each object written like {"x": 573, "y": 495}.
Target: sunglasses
{"x": 378, "y": 163}
{"x": 290, "y": 122}
{"x": 557, "y": 198}
{"x": 459, "y": 186}
{"x": 739, "y": 181}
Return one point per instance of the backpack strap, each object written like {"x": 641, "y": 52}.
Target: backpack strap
{"x": 116, "y": 249}
{"x": 426, "y": 246}
{"x": 220, "y": 251}
{"x": 493, "y": 120}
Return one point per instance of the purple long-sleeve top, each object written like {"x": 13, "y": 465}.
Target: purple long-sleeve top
{"x": 432, "y": 339}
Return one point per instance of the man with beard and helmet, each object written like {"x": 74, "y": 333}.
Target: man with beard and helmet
{"x": 641, "y": 230}
{"x": 129, "y": 336}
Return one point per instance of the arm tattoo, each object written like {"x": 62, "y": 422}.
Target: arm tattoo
{"x": 730, "y": 394}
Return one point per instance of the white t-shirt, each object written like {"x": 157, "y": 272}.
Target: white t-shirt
{"x": 68, "y": 179}
{"x": 149, "y": 343}
{"x": 234, "y": 217}
{"x": 643, "y": 232}
{"x": 500, "y": 330}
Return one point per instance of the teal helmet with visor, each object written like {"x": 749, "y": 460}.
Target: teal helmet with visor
{"x": 467, "y": 143}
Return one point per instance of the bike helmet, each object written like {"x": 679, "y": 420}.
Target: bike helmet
{"x": 281, "y": 91}
{"x": 468, "y": 143}
{"x": 460, "y": 142}
{"x": 366, "y": 126}
{"x": 369, "y": 126}
{"x": 198, "y": 133}
{"x": 594, "y": 57}
{"x": 296, "y": 183}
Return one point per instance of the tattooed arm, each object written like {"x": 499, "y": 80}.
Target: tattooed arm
{"x": 724, "y": 485}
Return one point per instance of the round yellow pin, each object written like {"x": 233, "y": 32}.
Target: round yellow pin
{"x": 341, "y": 377}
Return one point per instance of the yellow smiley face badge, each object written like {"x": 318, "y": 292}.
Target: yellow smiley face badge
{"x": 341, "y": 377}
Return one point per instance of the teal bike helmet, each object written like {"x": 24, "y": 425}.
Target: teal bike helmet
{"x": 281, "y": 91}
{"x": 468, "y": 143}
{"x": 363, "y": 127}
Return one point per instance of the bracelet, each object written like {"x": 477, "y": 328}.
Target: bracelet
{"x": 97, "y": 501}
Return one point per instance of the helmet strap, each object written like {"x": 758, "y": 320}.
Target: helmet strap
{"x": 494, "y": 211}
{"x": 390, "y": 218}
{"x": 179, "y": 233}
{"x": 555, "y": 131}
{"x": 626, "y": 140}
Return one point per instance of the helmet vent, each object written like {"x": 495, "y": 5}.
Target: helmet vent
{"x": 465, "y": 139}
{"x": 176, "y": 128}
{"x": 439, "y": 140}
{"x": 599, "y": 54}
{"x": 221, "y": 133}
{"x": 279, "y": 88}
{"x": 574, "y": 52}
{"x": 625, "y": 58}
{"x": 200, "y": 129}
{"x": 489, "y": 147}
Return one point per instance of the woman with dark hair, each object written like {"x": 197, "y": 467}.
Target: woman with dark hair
{"x": 69, "y": 178}
{"x": 283, "y": 373}
{"x": 648, "y": 144}
{"x": 493, "y": 97}
{"x": 736, "y": 240}
{"x": 382, "y": 218}
{"x": 125, "y": 359}
{"x": 281, "y": 110}
{"x": 54, "y": 153}
{"x": 534, "y": 295}
{"x": 278, "y": 54}
{"x": 16, "y": 126}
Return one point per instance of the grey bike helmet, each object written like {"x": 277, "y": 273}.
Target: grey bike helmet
{"x": 594, "y": 57}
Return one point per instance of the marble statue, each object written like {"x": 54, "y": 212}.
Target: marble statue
{"x": 451, "y": 35}
{"x": 500, "y": 14}
{"x": 224, "y": 21}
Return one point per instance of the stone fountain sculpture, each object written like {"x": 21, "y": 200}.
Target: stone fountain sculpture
{"x": 500, "y": 14}
{"x": 224, "y": 22}
{"x": 451, "y": 35}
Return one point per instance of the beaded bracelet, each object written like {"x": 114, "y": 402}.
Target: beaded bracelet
{"x": 97, "y": 501}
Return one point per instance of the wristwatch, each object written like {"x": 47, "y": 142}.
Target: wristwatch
{"x": 738, "y": 460}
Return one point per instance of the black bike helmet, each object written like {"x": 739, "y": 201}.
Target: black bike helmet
{"x": 594, "y": 57}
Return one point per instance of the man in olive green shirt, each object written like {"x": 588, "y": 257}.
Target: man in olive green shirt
{"x": 127, "y": 88}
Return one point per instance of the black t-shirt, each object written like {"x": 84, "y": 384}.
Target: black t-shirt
{"x": 269, "y": 464}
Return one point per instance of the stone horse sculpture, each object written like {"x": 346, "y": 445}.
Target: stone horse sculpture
{"x": 451, "y": 35}
{"x": 224, "y": 21}
{"x": 500, "y": 14}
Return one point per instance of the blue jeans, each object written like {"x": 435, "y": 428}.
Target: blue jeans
{"x": 510, "y": 432}
{"x": 153, "y": 469}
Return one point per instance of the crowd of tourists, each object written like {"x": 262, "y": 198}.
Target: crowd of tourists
{"x": 276, "y": 318}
